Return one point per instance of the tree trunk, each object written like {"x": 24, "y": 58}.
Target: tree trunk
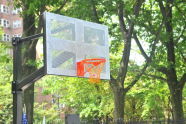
{"x": 171, "y": 72}
{"x": 119, "y": 98}
{"x": 177, "y": 106}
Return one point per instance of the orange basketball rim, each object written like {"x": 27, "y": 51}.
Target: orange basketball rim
{"x": 92, "y": 66}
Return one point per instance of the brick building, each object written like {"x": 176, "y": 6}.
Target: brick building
{"x": 10, "y": 21}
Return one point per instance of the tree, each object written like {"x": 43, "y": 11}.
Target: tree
{"x": 170, "y": 54}
{"x": 117, "y": 84}
{"x": 175, "y": 81}
{"x": 5, "y": 85}
{"x": 127, "y": 13}
{"x": 90, "y": 101}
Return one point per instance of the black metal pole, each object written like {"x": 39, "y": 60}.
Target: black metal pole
{"x": 17, "y": 107}
{"x": 18, "y": 86}
{"x": 17, "y": 95}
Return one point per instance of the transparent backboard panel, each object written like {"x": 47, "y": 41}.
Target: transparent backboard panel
{"x": 94, "y": 36}
{"x": 62, "y": 30}
{"x": 29, "y": 59}
{"x": 70, "y": 40}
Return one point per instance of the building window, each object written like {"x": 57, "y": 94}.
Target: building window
{"x": 16, "y": 11}
{"x": 4, "y": 23}
{"x": 17, "y": 35}
{"x": 6, "y": 37}
{"x": 17, "y": 24}
{"x": 4, "y": 9}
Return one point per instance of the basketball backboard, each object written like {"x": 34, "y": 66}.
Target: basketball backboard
{"x": 70, "y": 40}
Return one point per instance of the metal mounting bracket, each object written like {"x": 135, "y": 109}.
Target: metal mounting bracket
{"x": 16, "y": 41}
{"x": 14, "y": 87}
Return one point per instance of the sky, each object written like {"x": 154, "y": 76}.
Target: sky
{"x": 135, "y": 53}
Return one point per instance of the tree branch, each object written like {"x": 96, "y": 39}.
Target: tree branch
{"x": 182, "y": 55}
{"x": 181, "y": 35}
{"x": 61, "y": 7}
{"x": 157, "y": 77}
{"x": 148, "y": 59}
{"x": 128, "y": 36}
{"x": 127, "y": 44}
{"x": 157, "y": 34}
{"x": 94, "y": 11}
{"x": 180, "y": 11}
{"x": 156, "y": 39}
{"x": 163, "y": 70}
{"x": 162, "y": 8}
{"x": 112, "y": 78}
{"x": 148, "y": 28}
{"x": 136, "y": 78}
{"x": 121, "y": 20}
{"x": 151, "y": 27}
{"x": 183, "y": 80}
{"x": 40, "y": 22}
{"x": 140, "y": 47}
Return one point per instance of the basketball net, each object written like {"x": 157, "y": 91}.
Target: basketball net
{"x": 93, "y": 66}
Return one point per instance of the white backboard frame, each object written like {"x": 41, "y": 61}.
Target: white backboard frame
{"x": 75, "y": 49}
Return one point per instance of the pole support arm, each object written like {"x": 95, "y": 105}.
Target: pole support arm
{"x": 17, "y": 40}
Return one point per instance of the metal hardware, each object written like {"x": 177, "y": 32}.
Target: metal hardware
{"x": 32, "y": 37}
{"x": 16, "y": 40}
{"x": 14, "y": 87}
{"x": 25, "y": 83}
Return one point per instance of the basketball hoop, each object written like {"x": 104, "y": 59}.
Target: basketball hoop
{"x": 93, "y": 66}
